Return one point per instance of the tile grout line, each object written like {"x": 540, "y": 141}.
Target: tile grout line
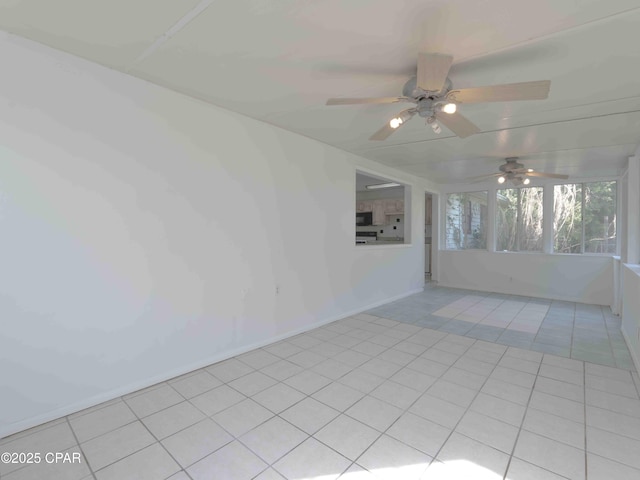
{"x": 426, "y": 391}
{"x": 353, "y": 462}
{"x": 270, "y": 465}
{"x": 86, "y": 459}
{"x": 138, "y": 419}
{"x": 393, "y": 423}
{"x": 154, "y": 437}
{"x": 526, "y": 411}
{"x": 467, "y": 410}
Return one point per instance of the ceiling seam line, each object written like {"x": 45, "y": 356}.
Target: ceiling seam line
{"x": 581, "y": 105}
{"x": 507, "y": 129}
{"x": 174, "y": 29}
{"x": 525, "y": 155}
{"x": 546, "y": 36}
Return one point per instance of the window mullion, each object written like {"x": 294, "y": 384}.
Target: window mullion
{"x": 519, "y": 221}
{"x": 582, "y": 216}
{"x": 492, "y": 211}
{"x": 547, "y": 218}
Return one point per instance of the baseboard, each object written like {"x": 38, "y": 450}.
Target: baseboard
{"x": 112, "y": 394}
{"x": 480, "y": 288}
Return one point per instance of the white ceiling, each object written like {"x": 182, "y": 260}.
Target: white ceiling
{"x": 279, "y": 60}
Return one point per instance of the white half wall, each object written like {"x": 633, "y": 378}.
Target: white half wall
{"x": 146, "y": 234}
{"x": 631, "y": 311}
{"x": 576, "y": 278}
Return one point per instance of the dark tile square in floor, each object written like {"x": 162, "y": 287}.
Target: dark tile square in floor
{"x": 459, "y": 327}
{"x": 485, "y": 332}
{"x": 591, "y": 331}
{"x": 518, "y": 336}
{"x": 562, "y": 351}
{"x": 555, "y": 340}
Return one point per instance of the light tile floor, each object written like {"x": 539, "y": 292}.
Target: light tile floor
{"x": 568, "y": 329}
{"x": 371, "y": 398}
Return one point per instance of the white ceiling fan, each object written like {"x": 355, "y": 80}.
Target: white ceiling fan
{"x": 516, "y": 173}
{"x": 435, "y": 99}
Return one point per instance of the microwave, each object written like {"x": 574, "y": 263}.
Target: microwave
{"x": 364, "y": 218}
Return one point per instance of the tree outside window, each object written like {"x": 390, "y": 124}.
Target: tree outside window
{"x": 585, "y": 217}
{"x": 519, "y": 219}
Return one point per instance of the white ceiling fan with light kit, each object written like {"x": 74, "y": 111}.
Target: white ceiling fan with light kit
{"x": 436, "y": 100}
{"x": 516, "y": 173}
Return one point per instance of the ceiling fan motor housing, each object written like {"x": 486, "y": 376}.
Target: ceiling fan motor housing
{"x": 426, "y": 101}
{"x": 511, "y": 165}
{"x": 411, "y": 90}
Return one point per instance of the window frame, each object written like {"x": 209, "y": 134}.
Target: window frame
{"x": 582, "y": 222}
{"x": 467, "y": 222}
{"x": 548, "y": 186}
{"x": 519, "y": 240}
{"x": 407, "y": 199}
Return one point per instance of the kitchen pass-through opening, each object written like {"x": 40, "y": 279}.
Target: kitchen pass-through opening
{"x": 382, "y": 205}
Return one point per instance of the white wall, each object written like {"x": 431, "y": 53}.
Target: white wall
{"x": 631, "y": 311}
{"x": 576, "y": 278}
{"x": 630, "y": 270}
{"x": 631, "y": 200}
{"x": 144, "y": 234}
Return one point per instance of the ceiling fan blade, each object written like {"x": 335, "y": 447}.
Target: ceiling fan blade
{"x": 546, "y": 175}
{"x": 383, "y": 133}
{"x": 480, "y": 178}
{"x": 360, "y": 101}
{"x": 387, "y": 130}
{"x": 538, "y": 90}
{"x": 458, "y": 124}
{"x": 433, "y": 69}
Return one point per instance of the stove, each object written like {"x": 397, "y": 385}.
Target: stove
{"x": 366, "y": 237}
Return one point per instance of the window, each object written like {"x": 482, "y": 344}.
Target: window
{"x": 584, "y": 218}
{"x": 466, "y": 221}
{"x": 519, "y": 219}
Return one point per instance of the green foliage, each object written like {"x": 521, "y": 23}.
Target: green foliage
{"x": 519, "y": 219}
{"x": 584, "y": 219}
{"x": 591, "y": 206}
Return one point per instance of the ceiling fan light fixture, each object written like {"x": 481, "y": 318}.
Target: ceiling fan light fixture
{"x": 501, "y": 179}
{"x": 449, "y": 108}
{"x": 526, "y": 181}
{"x": 395, "y": 122}
{"x": 400, "y": 119}
{"x": 434, "y": 125}
{"x": 529, "y": 170}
